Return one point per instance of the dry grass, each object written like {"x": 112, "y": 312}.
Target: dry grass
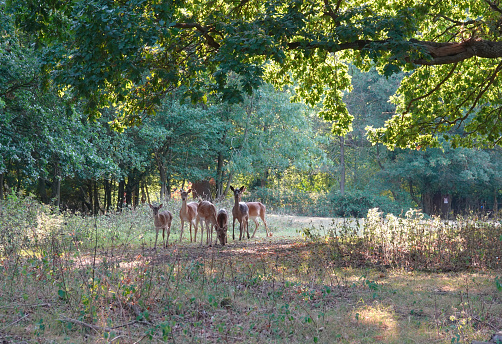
{"x": 79, "y": 279}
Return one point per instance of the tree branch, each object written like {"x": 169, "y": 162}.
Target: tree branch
{"x": 431, "y": 91}
{"x": 493, "y": 6}
{"x": 204, "y": 30}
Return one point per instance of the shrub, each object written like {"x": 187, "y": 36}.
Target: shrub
{"x": 416, "y": 243}
{"x": 292, "y": 201}
{"x": 357, "y": 203}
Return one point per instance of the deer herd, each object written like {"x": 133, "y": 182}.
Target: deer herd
{"x": 204, "y": 212}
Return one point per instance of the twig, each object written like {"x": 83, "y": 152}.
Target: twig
{"x": 15, "y": 322}
{"x": 81, "y": 323}
{"x": 30, "y": 306}
{"x": 139, "y": 340}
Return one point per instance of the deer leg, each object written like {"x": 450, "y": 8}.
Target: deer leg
{"x": 256, "y": 226}
{"x": 247, "y": 227}
{"x": 182, "y": 224}
{"x": 233, "y": 230}
{"x": 163, "y": 238}
{"x": 156, "y": 236}
{"x": 266, "y": 227}
{"x": 208, "y": 234}
{"x": 201, "y": 233}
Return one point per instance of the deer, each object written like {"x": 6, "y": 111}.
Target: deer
{"x": 206, "y": 212}
{"x": 188, "y": 212}
{"x": 162, "y": 220}
{"x": 240, "y": 212}
{"x": 222, "y": 226}
{"x": 257, "y": 209}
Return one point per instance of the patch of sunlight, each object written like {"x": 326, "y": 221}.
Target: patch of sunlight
{"x": 378, "y": 320}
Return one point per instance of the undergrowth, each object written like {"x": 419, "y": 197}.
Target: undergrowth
{"x": 415, "y": 243}
{"x": 71, "y": 278}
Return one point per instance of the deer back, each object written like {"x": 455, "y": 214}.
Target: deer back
{"x": 222, "y": 219}
{"x": 256, "y": 209}
{"x": 207, "y": 211}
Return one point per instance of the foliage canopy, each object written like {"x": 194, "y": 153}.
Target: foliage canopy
{"x": 131, "y": 53}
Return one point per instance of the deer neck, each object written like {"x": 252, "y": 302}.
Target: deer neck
{"x": 184, "y": 206}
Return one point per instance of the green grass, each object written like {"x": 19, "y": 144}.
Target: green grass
{"x": 75, "y": 279}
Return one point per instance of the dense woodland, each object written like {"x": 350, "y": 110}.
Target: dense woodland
{"x": 53, "y": 146}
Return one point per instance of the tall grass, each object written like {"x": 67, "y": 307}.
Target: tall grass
{"x": 416, "y": 243}
{"x": 73, "y": 278}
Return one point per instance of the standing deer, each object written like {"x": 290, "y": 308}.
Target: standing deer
{"x": 222, "y": 226}
{"x": 162, "y": 219}
{"x": 240, "y": 212}
{"x": 188, "y": 212}
{"x": 206, "y": 212}
{"x": 257, "y": 209}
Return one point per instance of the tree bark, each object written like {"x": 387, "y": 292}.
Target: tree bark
{"x": 120, "y": 194}
{"x": 95, "y": 197}
{"x": 219, "y": 176}
{"x": 495, "y": 203}
{"x": 56, "y": 192}
{"x": 42, "y": 190}
{"x": 342, "y": 165}
{"x": 1, "y": 187}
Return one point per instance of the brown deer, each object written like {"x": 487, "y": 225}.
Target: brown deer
{"x": 161, "y": 219}
{"x": 240, "y": 212}
{"x": 206, "y": 212}
{"x": 257, "y": 209}
{"x": 188, "y": 212}
{"x": 222, "y": 226}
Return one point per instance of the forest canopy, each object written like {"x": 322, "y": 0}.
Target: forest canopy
{"x": 130, "y": 54}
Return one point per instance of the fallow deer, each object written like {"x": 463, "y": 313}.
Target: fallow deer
{"x": 162, "y": 220}
{"x": 257, "y": 209}
{"x": 206, "y": 212}
{"x": 188, "y": 212}
{"x": 222, "y": 226}
{"x": 240, "y": 212}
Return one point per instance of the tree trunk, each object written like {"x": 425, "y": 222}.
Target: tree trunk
{"x": 495, "y": 203}
{"x": 1, "y": 187}
{"x": 129, "y": 190}
{"x": 219, "y": 176}
{"x": 42, "y": 190}
{"x": 56, "y": 189}
{"x": 108, "y": 195}
{"x": 147, "y": 194}
{"x": 163, "y": 182}
{"x": 427, "y": 203}
{"x": 120, "y": 194}
{"x": 342, "y": 165}
{"x": 95, "y": 197}
{"x": 412, "y": 193}
{"x": 229, "y": 182}
{"x": 136, "y": 194}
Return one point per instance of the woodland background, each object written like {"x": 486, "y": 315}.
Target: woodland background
{"x": 55, "y": 146}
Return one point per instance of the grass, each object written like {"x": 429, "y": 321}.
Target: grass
{"x": 75, "y": 279}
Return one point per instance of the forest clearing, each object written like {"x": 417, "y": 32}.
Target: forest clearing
{"x": 77, "y": 279}
{"x": 361, "y": 141}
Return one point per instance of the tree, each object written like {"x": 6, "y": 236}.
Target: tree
{"x": 132, "y": 53}
{"x": 181, "y": 139}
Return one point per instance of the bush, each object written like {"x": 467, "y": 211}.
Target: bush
{"x": 416, "y": 243}
{"x": 357, "y": 203}
{"x": 291, "y": 202}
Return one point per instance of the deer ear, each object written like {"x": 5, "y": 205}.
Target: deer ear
{"x": 160, "y": 206}
{"x": 151, "y": 206}
{"x": 231, "y": 188}
{"x": 189, "y": 190}
{"x": 243, "y": 189}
